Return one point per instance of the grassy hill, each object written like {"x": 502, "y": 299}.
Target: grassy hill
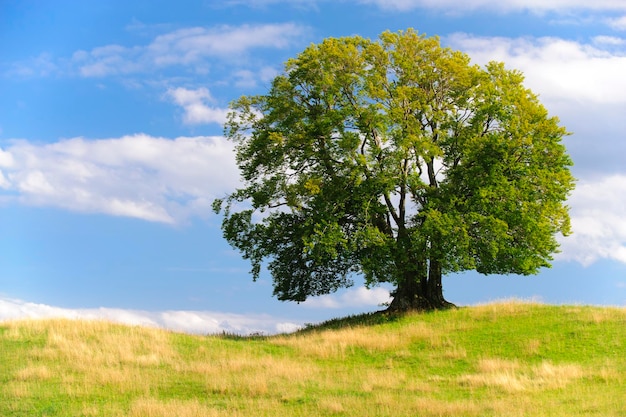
{"x": 506, "y": 359}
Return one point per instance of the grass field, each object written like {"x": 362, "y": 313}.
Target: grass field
{"x": 505, "y": 359}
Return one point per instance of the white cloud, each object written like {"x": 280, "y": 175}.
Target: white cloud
{"x": 598, "y": 221}
{"x": 108, "y": 60}
{"x": 609, "y": 41}
{"x": 585, "y": 84}
{"x": 618, "y": 23}
{"x": 6, "y": 160}
{"x": 186, "y": 47}
{"x": 581, "y": 83}
{"x": 42, "y": 65}
{"x": 249, "y": 79}
{"x": 499, "y": 5}
{"x": 557, "y": 69}
{"x": 197, "y": 322}
{"x": 4, "y": 182}
{"x": 140, "y": 176}
{"x": 195, "y": 103}
{"x": 352, "y": 297}
{"x": 460, "y": 5}
{"x": 190, "y": 44}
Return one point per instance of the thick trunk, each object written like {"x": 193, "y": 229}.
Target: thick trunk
{"x": 423, "y": 291}
{"x": 411, "y": 272}
{"x": 434, "y": 287}
{"x": 409, "y": 295}
{"x": 419, "y": 279}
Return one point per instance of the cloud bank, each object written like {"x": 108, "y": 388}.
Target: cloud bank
{"x": 598, "y": 221}
{"x": 185, "y": 47}
{"x": 352, "y": 297}
{"x": 195, "y": 322}
{"x": 194, "y": 50}
{"x": 557, "y": 69}
{"x": 581, "y": 82}
{"x": 141, "y": 176}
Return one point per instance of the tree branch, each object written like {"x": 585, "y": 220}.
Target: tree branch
{"x": 392, "y": 210}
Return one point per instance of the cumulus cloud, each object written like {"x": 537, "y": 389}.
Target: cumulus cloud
{"x": 196, "y": 106}
{"x": 557, "y": 69}
{"x": 618, "y": 23}
{"x": 609, "y": 41}
{"x": 353, "y": 297}
{"x": 582, "y": 83}
{"x": 196, "y": 322}
{"x": 598, "y": 222}
{"x": 150, "y": 178}
{"x": 185, "y": 47}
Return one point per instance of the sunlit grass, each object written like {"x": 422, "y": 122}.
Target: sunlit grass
{"x": 504, "y": 359}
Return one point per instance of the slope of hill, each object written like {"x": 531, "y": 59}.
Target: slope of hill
{"x": 506, "y": 359}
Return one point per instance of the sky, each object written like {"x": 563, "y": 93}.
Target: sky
{"x": 112, "y": 149}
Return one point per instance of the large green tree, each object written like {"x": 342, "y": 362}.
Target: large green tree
{"x": 398, "y": 160}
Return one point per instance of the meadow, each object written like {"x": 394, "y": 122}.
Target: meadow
{"x": 503, "y": 359}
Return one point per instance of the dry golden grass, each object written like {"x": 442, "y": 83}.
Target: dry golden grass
{"x": 17, "y": 389}
{"x": 510, "y": 376}
{"x": 102, "y": 343}
{"x": 34, "y": 373}
{"x": 91, "y": 355}
{"x": 533, "y": 346}
{"x": 339, "y": 343}
{"x": 508, "y": 307}
{"x": 441, "y": 408}
{"x": 151, "y": 407}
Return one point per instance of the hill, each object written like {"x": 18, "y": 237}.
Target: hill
{"x": 506, "y": 359}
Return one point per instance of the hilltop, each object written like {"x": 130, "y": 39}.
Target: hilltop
{"x": 506, "y": 359}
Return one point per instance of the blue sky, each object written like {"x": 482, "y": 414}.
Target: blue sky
{"x": 111, "y": 149}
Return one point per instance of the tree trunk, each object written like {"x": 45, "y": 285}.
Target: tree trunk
{"x": 409, "y": 296}
{"x": 419, "y": 279}
{"x": 422, "y": 292}
{"x": 434, "y": 287}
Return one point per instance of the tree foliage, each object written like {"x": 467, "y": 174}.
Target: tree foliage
{"x": 399, "y": 160}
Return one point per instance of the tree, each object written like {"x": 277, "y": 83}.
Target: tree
{"x": 398, "y": 160}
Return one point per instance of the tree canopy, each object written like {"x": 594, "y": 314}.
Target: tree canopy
{"x": 398, "y": 160}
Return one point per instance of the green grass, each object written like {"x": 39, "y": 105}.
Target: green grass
{"x": 506, "y": 359}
